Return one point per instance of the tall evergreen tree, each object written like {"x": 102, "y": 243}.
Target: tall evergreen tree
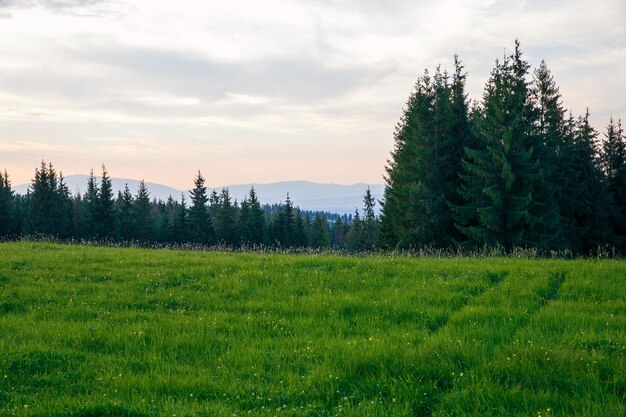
{"x": 583, "y": 199}
{"x": 251, "y": 220}
{"x": 502, "y": 170}
{"x": 47, "y": 212}
{"x": 320, "y": 236}
{"x": 125, "y": 221}
{"x": 199, "y": 220}
{"x": 65, "y": 210}
{"x": 142, "y": 214}
{"x": 89, "y": 209}
{"x": 6, "y": 205}
{"x": 423, "y": 175}
{"x": 547, "y": 230}
{"x": 614, "y": 164}
{"x": 105, "y": 208}
{"x": 225, "y": 220}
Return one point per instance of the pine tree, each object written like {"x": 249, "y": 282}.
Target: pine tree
{"x": 199, "y": 220}
{"x": 614, "y": 165}
{"x": 142, "y": 214}
{"x": 320, "y": 237}
{"x": 65, "y": 210}
{"x": 502, "y": 170}
{"x": 370, "y": 222}
{"x": 402, "y": 170}
{"x": 89, "y": 210}
{"x": 6, "y": 205}
{"x": 104, "y": 221}
{"x": 547, "y": 231}
{"x": 423, "y": 175}
{"x": 225, "y": 220}
{"x": 125, "y": 222}
{"x": 181, "y": 225}
{"x": 584, "y": 201}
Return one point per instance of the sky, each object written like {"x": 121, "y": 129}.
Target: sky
{"x": 267, "y": 91}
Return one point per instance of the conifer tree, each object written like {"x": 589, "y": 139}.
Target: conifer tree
{"x": 584, "y": 201}
{"x": 47, "y": 211}
{"x": 6, "y": 205}
{"x": 547, "y": 231}
{"x": 105, "y": 208}
{"x": 614, "y": 165}
{"x": 64, "y": 208}
{"x": 251, "y": 220}
{"x": 142, "y": 214}
{"x": 402, "y": 170}
{"x": 199, "y": 220}
{"x": 89, "y": 210}
{"x": 370, "y": 223}
{"x": 320, "y": 237}
{"x": 225, "y": 220}
{"x": 502, "y": 170}
{"x": 125, "y": 214}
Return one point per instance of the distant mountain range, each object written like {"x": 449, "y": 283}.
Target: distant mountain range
{"x": 335, "y": 198}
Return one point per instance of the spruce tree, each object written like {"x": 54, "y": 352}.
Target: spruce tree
{"x": 255, "y": 222}
{"x": 105, "y": 208}
{"x": 6, "y": 205}
{"x": 370, "y": 222}
{"x": 614, "y": 165}
{"x": 225, "y": 220}
{"x": 320, "y": 236}
{"x": 199, "y": 220}
{"x": 423, "y": 175}
{"x": 142, "y": 214}
{"x": 584, "y": 200}
{"x": 125, "y": 222}
{"x": 547, "y": 231}
{"x": 65, "y": 210}
{"x": 402, "y": 170}
{"x": 502, "y": 170}
{"x": 181, "y": 224}
{"x": 89, "y": 209}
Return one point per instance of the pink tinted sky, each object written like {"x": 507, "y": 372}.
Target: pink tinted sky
{"x": 250, "y": 91}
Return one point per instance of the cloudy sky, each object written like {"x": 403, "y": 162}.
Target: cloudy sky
{"x": 264, "y": 91}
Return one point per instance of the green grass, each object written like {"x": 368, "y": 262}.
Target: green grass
{"x": 97, "y": 331}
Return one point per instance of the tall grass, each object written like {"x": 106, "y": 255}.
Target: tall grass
{"x": 104, "y": 331}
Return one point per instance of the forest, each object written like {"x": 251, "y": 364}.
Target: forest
{"x": 514, "y": 170}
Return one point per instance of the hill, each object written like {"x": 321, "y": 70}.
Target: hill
{"x": 335, "y": 198}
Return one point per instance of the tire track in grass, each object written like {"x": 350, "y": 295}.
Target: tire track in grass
{"x": 543, "y": 371}
{"x": 474, "y": 333}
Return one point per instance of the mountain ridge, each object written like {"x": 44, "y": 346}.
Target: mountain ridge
{"x": 308, "y": 195}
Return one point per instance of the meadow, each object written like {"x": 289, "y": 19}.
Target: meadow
{"x": 101, "y": 331}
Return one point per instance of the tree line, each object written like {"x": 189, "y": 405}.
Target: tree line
{"x": 514, "y": 170}
{"x": 208, "y": 219}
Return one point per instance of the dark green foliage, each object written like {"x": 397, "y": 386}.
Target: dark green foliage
{"x": 48, "y": 211}
{"x": 283, "y": 227}
{"x": 104, "y": 221}
{"x": 251, "y": 220}
{"x": 422, "y": 177}
{"x": 364, "y": 231}
{"x": 225, "y": 220}
{"x": 142, "y": 214}
{"x": 614, "y": 165}
{"x": 583, "y": 199}
{"x": 6, "y": 205}
{"x": 199, "y": 220}
{"x": 320, "y": 236}
{"x": 502, "y": 172}
{"x": 125, "y": 222}
{"x": 89, "y": 209}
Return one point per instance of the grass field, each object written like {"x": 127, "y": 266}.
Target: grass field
{"x": 97, "y": 331}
